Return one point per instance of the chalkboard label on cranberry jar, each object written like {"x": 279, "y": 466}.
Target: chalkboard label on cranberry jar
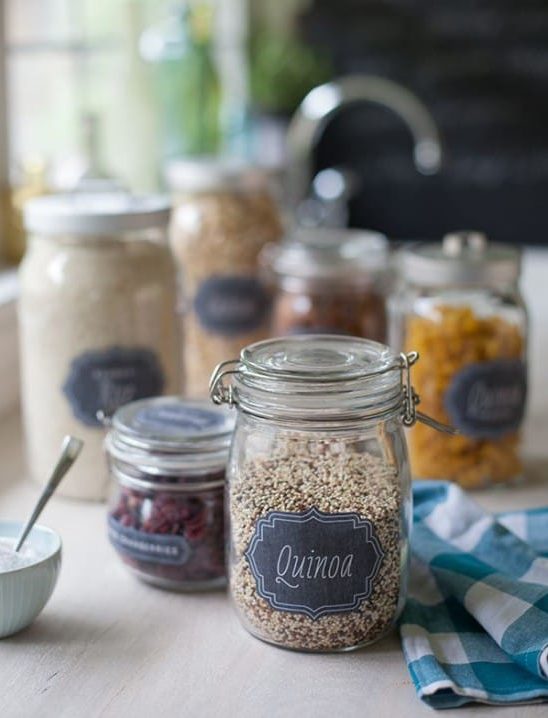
{"x": 165, "y": 549}
{"x": 487, "y": 400}
{"x": 314, "y": 563}
{"x": 102, "y": 381}
{"x": 178, "y": 419}
{"x": 232, "y": 305}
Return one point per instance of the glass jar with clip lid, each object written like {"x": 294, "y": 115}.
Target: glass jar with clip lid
{"x": 318, "y": 486}
{"x": 167, "y": 457}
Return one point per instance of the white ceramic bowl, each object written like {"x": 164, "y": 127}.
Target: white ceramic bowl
{"x": 25, "y": 591}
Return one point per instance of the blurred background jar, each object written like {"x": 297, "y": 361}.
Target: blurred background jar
{"x": 461, "y": 308}
{"x": 330, "y": 281}
{"x": 224, "y": 215}
{"x": 97, "y": 322}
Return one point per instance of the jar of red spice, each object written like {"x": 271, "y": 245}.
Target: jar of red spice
{"x": 166, "y": 518}
{"x": 330, "y": 281}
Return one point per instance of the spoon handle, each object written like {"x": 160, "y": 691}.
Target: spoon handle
{"x": 69, "y": 453}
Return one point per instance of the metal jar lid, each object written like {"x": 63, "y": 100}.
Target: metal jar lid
{"x": 95, "y": 213}
{"x": 169, "y": 435}
{"x": 461, "y": 258}
{"x": 328, "y": 255}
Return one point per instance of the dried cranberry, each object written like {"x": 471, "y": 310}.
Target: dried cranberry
{"x": 198, "y": 518}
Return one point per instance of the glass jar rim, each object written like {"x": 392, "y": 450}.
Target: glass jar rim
{"x": 148, "y": 482}
{"x": 170, "y": 435}
{"x": 322, "y": 379}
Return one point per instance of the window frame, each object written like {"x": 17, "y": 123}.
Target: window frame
{"x": 4, "y": 144}
{"x": 4, "y": 152}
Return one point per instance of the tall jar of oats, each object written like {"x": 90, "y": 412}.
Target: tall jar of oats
{"x": 223, "y": 217}
{"x": 461, "y": 308}
{"x": 97, "y": 322}
{"x": 318, "y": 489}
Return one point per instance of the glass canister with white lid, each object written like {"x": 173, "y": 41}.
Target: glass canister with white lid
{"x": 167, "y": 457}
{"x": 460, "y": 306}
{"x": 97, "y": 323}
{"x": 318, "y": 484}
{"x": 330, "y": 281}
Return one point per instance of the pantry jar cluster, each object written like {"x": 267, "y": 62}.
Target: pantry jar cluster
{"x": 318, "y": 490}
{"x": 166, "y": 519}
{"x": 460, "y": 307}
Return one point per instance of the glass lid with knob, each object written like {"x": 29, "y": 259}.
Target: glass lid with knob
{"x": 328, "y": 254}
{"x": 465, "y": 258}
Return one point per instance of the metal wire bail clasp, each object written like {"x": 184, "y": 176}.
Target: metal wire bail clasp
{"x": 411, "y": 399}
{"x": 219, "y": 392}
{"x": 410, "y": 396}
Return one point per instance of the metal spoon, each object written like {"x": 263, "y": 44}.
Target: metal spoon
{"x": 69, "y": 453}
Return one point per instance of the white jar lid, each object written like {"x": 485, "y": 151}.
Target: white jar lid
{"x": 210, "y": 174}
{"x": 95, "y": 213}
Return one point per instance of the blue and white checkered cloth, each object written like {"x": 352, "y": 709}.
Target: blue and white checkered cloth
{"x": 475, "y": 626}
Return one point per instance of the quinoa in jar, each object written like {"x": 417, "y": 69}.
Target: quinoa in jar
{"x": 167, "y": 457}
{"x": 318, "y": 483}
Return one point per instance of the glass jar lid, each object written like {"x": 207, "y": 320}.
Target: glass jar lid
{"x": 319, "y": 379}
{"x": 462, "y": 258}
{"x": 166, "y": 435}
{"x": 95, "y": 213}
{"x": 322, "y": 254}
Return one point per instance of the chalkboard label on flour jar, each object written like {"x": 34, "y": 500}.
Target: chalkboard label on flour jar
{"x": 232, "y": 305}
{"x": 314, "y": 563}
{"x": 487, "y": 400}
{"x": 102, "y": 381}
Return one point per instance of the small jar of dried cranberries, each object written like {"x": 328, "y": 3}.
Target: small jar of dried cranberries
{"x": 166, "y": 518}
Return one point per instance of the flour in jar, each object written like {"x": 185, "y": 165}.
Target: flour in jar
{"x": 98, "y": 325}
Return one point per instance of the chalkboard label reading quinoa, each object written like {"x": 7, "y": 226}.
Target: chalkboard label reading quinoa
{"x": 313, "y": 562}
{"x": 231, "y": 305}
{"x": 165, "y": 549}
{"x": 107, "y": 379}
{"x": 486, "y": 400}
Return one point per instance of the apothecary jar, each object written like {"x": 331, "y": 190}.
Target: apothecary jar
{"x": 318, "y": 489}
{"x": 460, "y": 307}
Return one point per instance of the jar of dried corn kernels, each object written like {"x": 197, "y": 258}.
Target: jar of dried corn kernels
{"x": 460, "y": 307}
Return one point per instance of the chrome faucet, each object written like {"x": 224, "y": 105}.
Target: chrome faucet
{"x": 324, "y": 101}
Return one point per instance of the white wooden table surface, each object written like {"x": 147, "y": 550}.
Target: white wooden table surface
{"x": 107, "y": 645}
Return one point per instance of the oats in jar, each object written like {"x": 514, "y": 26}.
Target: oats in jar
{"x": 224, "y": 215}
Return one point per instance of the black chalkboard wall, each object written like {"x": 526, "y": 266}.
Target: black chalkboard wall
{"x": 481, "y": 67}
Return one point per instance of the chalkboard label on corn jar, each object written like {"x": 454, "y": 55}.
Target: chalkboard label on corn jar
{"x": 461, "y": 308}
